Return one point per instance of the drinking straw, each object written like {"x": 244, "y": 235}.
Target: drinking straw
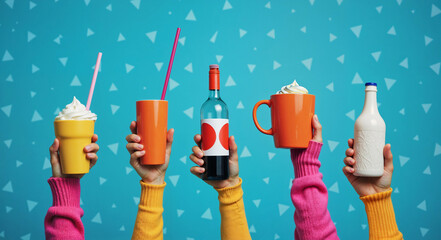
{"x": 92, "y": 85}
{"x": 164, "y": 90}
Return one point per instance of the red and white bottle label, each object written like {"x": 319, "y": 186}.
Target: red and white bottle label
{"x": 215, "y": 136}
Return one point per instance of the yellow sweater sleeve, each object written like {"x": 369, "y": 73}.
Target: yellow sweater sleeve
{"x": 149, "y": 223}
{"x": 234, "y": 224}
{"x": 381, "y": 216}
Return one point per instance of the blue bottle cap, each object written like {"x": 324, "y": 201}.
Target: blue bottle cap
{"x": 370, "y": 84}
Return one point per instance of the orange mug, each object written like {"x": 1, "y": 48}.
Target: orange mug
{"x": 291, "y": 116}
{"x": 151, "y": 123}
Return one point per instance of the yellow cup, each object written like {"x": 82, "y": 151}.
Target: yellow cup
{"x": 74, "y": 135}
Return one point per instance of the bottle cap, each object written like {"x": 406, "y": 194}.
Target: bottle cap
{"x": 370, "y": 84}
{"x": 214, "y": 77}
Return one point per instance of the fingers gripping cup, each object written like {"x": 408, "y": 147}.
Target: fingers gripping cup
{"x": 151, "y": 122}
{"x": 74, "y": 127}
{"x": 292, "y": 110}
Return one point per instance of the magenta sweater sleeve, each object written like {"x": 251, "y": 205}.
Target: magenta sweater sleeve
{"x": 63, "y": 219}
{"x": 310, "y": 196}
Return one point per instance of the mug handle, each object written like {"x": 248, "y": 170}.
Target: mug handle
{"x": 267, "y": 102}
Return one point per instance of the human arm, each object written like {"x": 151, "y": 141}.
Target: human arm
{"x": 309, "y": 194}
{"x": 149, "y": 221}
{"x": 63, "y": 218}
{"x": 230, "y": 194}
{"x": 375, "y": 192}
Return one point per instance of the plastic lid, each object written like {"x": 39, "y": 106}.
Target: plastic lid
{"x": 371, "y": 84}
{"x": 214, "y": 66}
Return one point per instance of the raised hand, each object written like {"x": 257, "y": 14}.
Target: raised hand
{"x": 197, "y": 155}
{"x": 368, "y": 185}
{"x": 152, "y": 174}
{"x": 90, "y": 151}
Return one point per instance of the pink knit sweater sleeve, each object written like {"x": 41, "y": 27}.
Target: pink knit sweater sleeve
{"x": 310, "y": 196}
{"x": 63, "y": 219}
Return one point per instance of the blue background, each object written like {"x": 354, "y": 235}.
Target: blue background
{"x": 47, "y": 53}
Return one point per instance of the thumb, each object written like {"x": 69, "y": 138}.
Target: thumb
{"x": 233, "y": 149}
{"x": 317, "y": 129}
{"x": 170, "y": 134}
{"x": 349, "y": 175}
{"x": 53, "y": 150}
{"x": 55, "y": 160}
{"x": 388, "y": 158}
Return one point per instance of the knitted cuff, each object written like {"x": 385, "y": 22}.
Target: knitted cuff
{"x": 381, "y": 216}
{"x": 230, "y": 195}
{"x": 151, "y": 195}
{"x": 65, "y": 191}
{"x": 306, "y": 161}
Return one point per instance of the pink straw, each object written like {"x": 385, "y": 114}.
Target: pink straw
{"x": 164, "y": 90}
{"x": 92, "y": 85}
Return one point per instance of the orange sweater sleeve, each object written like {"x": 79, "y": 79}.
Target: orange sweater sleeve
{"x": 234, "y": 224}
{"x": 381, "y": 216}
{"x": 149, "y": 223}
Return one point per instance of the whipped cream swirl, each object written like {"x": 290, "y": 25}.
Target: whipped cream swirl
{"x": 294, "y": 88}
{"x": 76, "y": 111}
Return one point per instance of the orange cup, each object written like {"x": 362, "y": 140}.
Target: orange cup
{"x": 291, "y": 116}
{"x": 151, "y": 122}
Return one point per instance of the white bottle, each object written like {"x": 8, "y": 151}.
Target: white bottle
{"x": 369, "y": 137}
